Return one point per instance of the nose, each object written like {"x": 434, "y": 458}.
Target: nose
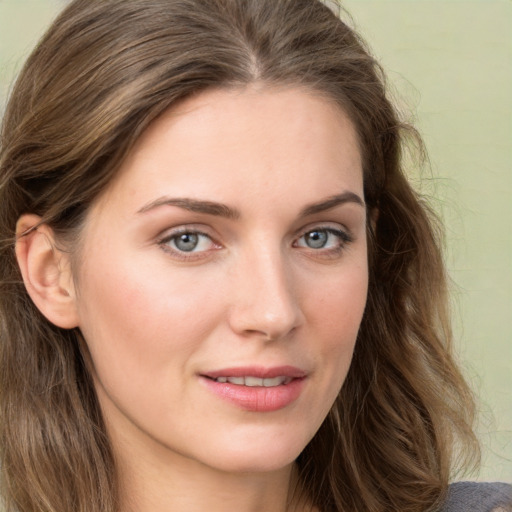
{"x": 266, "y": 302}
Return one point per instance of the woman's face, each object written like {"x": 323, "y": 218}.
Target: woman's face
{"x": 224, "y": 277}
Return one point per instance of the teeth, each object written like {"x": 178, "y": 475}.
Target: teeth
{"x": 276, "y": 381}
{"x": 236, "y": 380}
{"x": 255, "y": 381}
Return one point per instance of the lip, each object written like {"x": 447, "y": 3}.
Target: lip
{"x": 257, "y": 371}
{"x": 257, "y": 399}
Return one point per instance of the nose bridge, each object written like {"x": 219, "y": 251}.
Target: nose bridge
{"x": 266, "y": 300}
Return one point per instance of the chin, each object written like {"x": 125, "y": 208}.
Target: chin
{"x": 262, "y": 455}
{"x": 270, "y": 463}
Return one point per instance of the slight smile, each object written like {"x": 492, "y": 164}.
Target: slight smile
{"x": 257, "y": 389}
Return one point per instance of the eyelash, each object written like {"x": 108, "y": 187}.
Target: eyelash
{"x": 165, "y": 241}
{"x": 344, "y": 239}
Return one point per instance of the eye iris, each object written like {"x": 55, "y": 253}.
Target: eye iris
{"x": 316, "y": 239}
{"x": 186, "y": 242}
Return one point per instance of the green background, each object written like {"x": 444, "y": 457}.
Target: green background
{"x": 450, "y": 68}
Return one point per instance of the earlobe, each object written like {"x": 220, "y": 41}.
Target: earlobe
{"x": 46, "y": 272}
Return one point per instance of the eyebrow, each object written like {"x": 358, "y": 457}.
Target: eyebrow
{"x": 193, "y": 205}
{"x": 222, "y": 210}
{"x": 332, "y": 202}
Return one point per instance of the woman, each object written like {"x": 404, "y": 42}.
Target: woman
{"x": 223, "y": 293}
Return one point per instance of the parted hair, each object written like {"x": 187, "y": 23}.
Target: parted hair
{"x": 102, "y": 73}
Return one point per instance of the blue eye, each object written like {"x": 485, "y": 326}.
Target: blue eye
{"x": 324, "y": 238}
{"x": 188, "y": 241}
{"x": 316, "y": 239}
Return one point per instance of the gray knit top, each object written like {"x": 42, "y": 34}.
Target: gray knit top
{"x": 478, "y": 497}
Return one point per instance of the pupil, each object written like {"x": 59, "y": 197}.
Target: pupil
{"x": 187, "y": 242}
{"x": 317, "y": 239}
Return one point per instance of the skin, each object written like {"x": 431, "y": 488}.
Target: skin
{"x": 252, "y": 292}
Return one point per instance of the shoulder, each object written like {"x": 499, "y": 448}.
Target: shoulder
{"x": 478, "y": 497}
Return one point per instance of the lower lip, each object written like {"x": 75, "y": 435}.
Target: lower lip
{"x": 257, "y": 399}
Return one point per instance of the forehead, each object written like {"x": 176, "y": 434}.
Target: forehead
{"x": 258, "y": 141}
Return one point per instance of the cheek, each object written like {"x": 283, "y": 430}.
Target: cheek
{"x": 338, "y": 304}
{"x": 334, "y": 310}
{"x": 135, "y": 322}
{"x": 335, "y": 314}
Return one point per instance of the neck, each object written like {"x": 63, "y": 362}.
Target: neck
{"x": 212, "y": 492}
{"x": 150, "y": 487}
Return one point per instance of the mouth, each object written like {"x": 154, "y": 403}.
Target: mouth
{"x": 252, "y": 382}
{"x": 257, "y": 389}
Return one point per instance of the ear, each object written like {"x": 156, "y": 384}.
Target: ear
{"x": 46, "y": 272}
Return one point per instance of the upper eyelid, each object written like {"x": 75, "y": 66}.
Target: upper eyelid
{"x": 176, "y": 234}
{"x": 167, "y": 236}
{"x": 163, "y": 240}
{"x": 184, "y": 228}
{"x": 344, "y": 235}
{"x": 336, "y": 226}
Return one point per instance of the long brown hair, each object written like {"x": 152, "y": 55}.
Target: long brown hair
{"x": 102, "y": 73}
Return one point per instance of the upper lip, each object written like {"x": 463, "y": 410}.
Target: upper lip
{"x": 257, "y": 371}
